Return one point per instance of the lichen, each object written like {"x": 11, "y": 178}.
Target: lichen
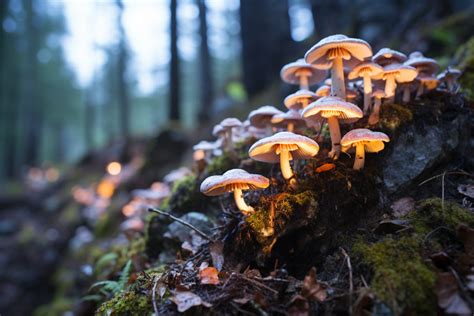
{"x": 392, "y": 116}
{"x": 126, "y": 303}
{"x": 401, "y": 279}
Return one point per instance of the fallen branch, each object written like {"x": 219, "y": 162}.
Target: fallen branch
{"x": 176, "y": 219}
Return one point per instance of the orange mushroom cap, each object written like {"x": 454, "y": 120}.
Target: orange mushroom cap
{"x": 289, "y": 72}
{"x": 294, "y": 100}
{"x": 373, "y": 141}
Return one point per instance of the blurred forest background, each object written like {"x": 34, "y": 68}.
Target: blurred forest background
{"x": 80, "y": 74}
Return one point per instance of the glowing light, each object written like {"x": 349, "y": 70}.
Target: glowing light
{"x": 199, "y": 155}
{"x": 105, "y": 189}
{"x": 114, "y": 168}
{"x": 52, "y": 174}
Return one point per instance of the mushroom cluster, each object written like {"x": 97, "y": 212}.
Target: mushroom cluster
{"x": 355, "y": 73}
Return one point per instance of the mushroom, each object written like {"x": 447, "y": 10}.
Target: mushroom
{"x": 364, "y": 140}
{"x": 176, "y": 175}
{"x": 429, "y": 82}
{"x": 375, "y": 115}
{"x": 422, "y": 64}
{"x": 331, "y": 52}
{"x": 394, "y": 73}
{"x": 323, "y": 91}
{"x": 387, "y": 56}
{"x": 234, "y": 180}
{"x": 262, "y": 117}
{"x": 351, "y": 94}
{"x": 283, "y": 147}
{"x": 449, "y": 76}
{"x": 407, "y": 89}
{"x": 228, "y": 125}
{"x": 366, "y": 70}
{"x": 289, "y": 120}
{"x": 302, "y": 73}
{"x": 333, "y": 109}
{"x": 203, "y": 150}
{"x": 300, "y": 99}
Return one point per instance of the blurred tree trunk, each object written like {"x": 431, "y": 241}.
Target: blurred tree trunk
{"x": 123, "y": 100}
{"x": 266, "y": 41}
{"x": 174, "y": 103}
{"x": 88, "y": 121}
{"x": 205, "y": 62}
{"x": 32, "y": 114}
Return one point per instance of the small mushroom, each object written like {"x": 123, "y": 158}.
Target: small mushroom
{"x": 289, "y": 120}
{"x": 323, "y": 91}
{"x": 235, "y": 180}
{"x": 366, "y": 70}
{"x": 334, "y": 110}
{"x": 394, "y": 73}
{"x": 283, "y": 147}
{"x": 228, "y": 125}
{"x": 449, "y": 76}
{"x": 422, "y": 64}
{"x": 203, "y": 150}
{"x": 262, "y": 117}
{"x": 407, "y": 89}
{"x": 364, "y": 140}
{"x": 331, "y": 52}
{"x": 300, "y": 99}
{"x": 387, "y": 56}
{"x": 351, "y": 94}
{"x": 302, "y": 73}
{"x": 429, "y": 82}
{"x": 375, "y": 115}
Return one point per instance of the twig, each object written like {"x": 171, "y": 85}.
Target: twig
{"x": 258, "y": 284}
{"x": 461, "y": 173}
{"x": 200, "y": 233}
{"x": 442, "y": 192}
{"x": 364, "y": 281}
{"x": 351, "y": 284}
{"x": 155, "y": 283}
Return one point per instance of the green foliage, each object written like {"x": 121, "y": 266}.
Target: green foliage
{"x": 465, "y": 58}
{"x": 126, "y": 303}
{"x": 109, "y": 287}
{"x": 185, "y": 196}
{"x": 401, "y": 279}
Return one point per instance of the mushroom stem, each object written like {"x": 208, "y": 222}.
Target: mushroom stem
{"x": 450, "y": 84}
{"x": 406, "y": 94}
{"x": 338, "y": 87}
{"x": 375, "y": 115}
{"x": 240, "y": 202}
{"x": 359, "y": 157}
{"x": 390, "y": 86}
{"x": 285, "y": 164}
{"x": 304, "y": 81}
{"x": 420, "y": 89}
{"x": 335, "y": 132}
{"x": 290, "y": 127}
{"x": 367, "y": 92}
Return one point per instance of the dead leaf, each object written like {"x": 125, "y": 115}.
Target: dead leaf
{"x": 325, "y": 167}
{"x": 209, "y": 275}
{"x": 403, "y": 206}
{"x": 217, "y": 254}
{"x": 312, "y": 288}
{"x": 467, "y": 190}
{"x": 186, "y": 300}
{"x": 449, "y": 299}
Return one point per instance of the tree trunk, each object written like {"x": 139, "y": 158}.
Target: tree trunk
{"x": 174, "y": 104}
{"x": 124, "y": 107}
{"x": 205, "y": 62}
{"x": 88, "y": 122}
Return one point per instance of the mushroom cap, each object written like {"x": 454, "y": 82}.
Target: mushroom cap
{"x": 289, "y": 72}
{"x": 422, "y": 63}
{"x": 401, "y": 72}
{"x": 450, "y": 73}
{"x": 364, "y": 67}
{"x": 231, "y": 180}
{"x": 218, "y": 130}
{"x": 291, "y": 116}
{"x": 267, "y": 149}
{"x": 357, "y": 48}
{"x": 204, "y": 145}
{"x": 262, "y": 116}
{"x": 323, "y": 91}
{"x": 325, "y": 107}
{"x": 372, "y": 141}
{"x": 351, "y": 93}
{"x": 230, "y": 122}
{"x": 387, "y": 56}
{"x": 378, "y": 93}
{"x": 293, "y": 101}
{"x": 430, "y": 81}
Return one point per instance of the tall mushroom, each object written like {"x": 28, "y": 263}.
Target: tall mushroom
{"x": 234, "y": 180}
{"x": 289, "y": 120}
{"x": 283, "y": 147}
{"x": 302, "y": 73}
{"x": 393, "y": 74}
{"x": 449, "y": 76}
{"x": 334, "y": 110}
{"x": 366, "y": 70}
{"x": 261, "y": 117}
{"x": 331, "y": 52}
{"x": 364, "y": 140}
{"x": 375, "y": 115}
{"x": 387, "y": 56}
{"x": 300, "y": 99}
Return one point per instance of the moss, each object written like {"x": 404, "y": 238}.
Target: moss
{"x": 401, "y": 279}
{"x": 221, "y": 164}
{"x": 392, "y": 116}
{"x": 126, "y": 303}
{"x": 185, "y": 196}
{"x": 430, "y": 214}
{"x": 465, "y": 58}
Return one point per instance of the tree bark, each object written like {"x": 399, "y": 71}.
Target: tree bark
{"x": 174, "y": 103}
{"x": 205, "y": 62}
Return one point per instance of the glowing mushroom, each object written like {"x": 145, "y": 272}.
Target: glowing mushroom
{"x": 235, "y": 180}
{"x": 387, "y": 56}
{"x": 228, "y": 125}
{"x": 302, "y": 73}
{"x": 332, "y": 52}
{"x": 261, "y": 117}
{"x": 396, "y": 73}
{"x": 364, "y": 140}
{"x": 334, "y": 110}
{"x": 366, "y": 70}
{"x": 449, "y": 76}
{"x": 423, "y": 65}
{"x": 283, "y": 147}
{"x": 203, "y": 150}
{"x": 289, "y": 120}
{"x": 300, "y": 99}
{"x": 323, "y": 91}
{"x": 426, "y": 83}
{"x": 375, "y": 115}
